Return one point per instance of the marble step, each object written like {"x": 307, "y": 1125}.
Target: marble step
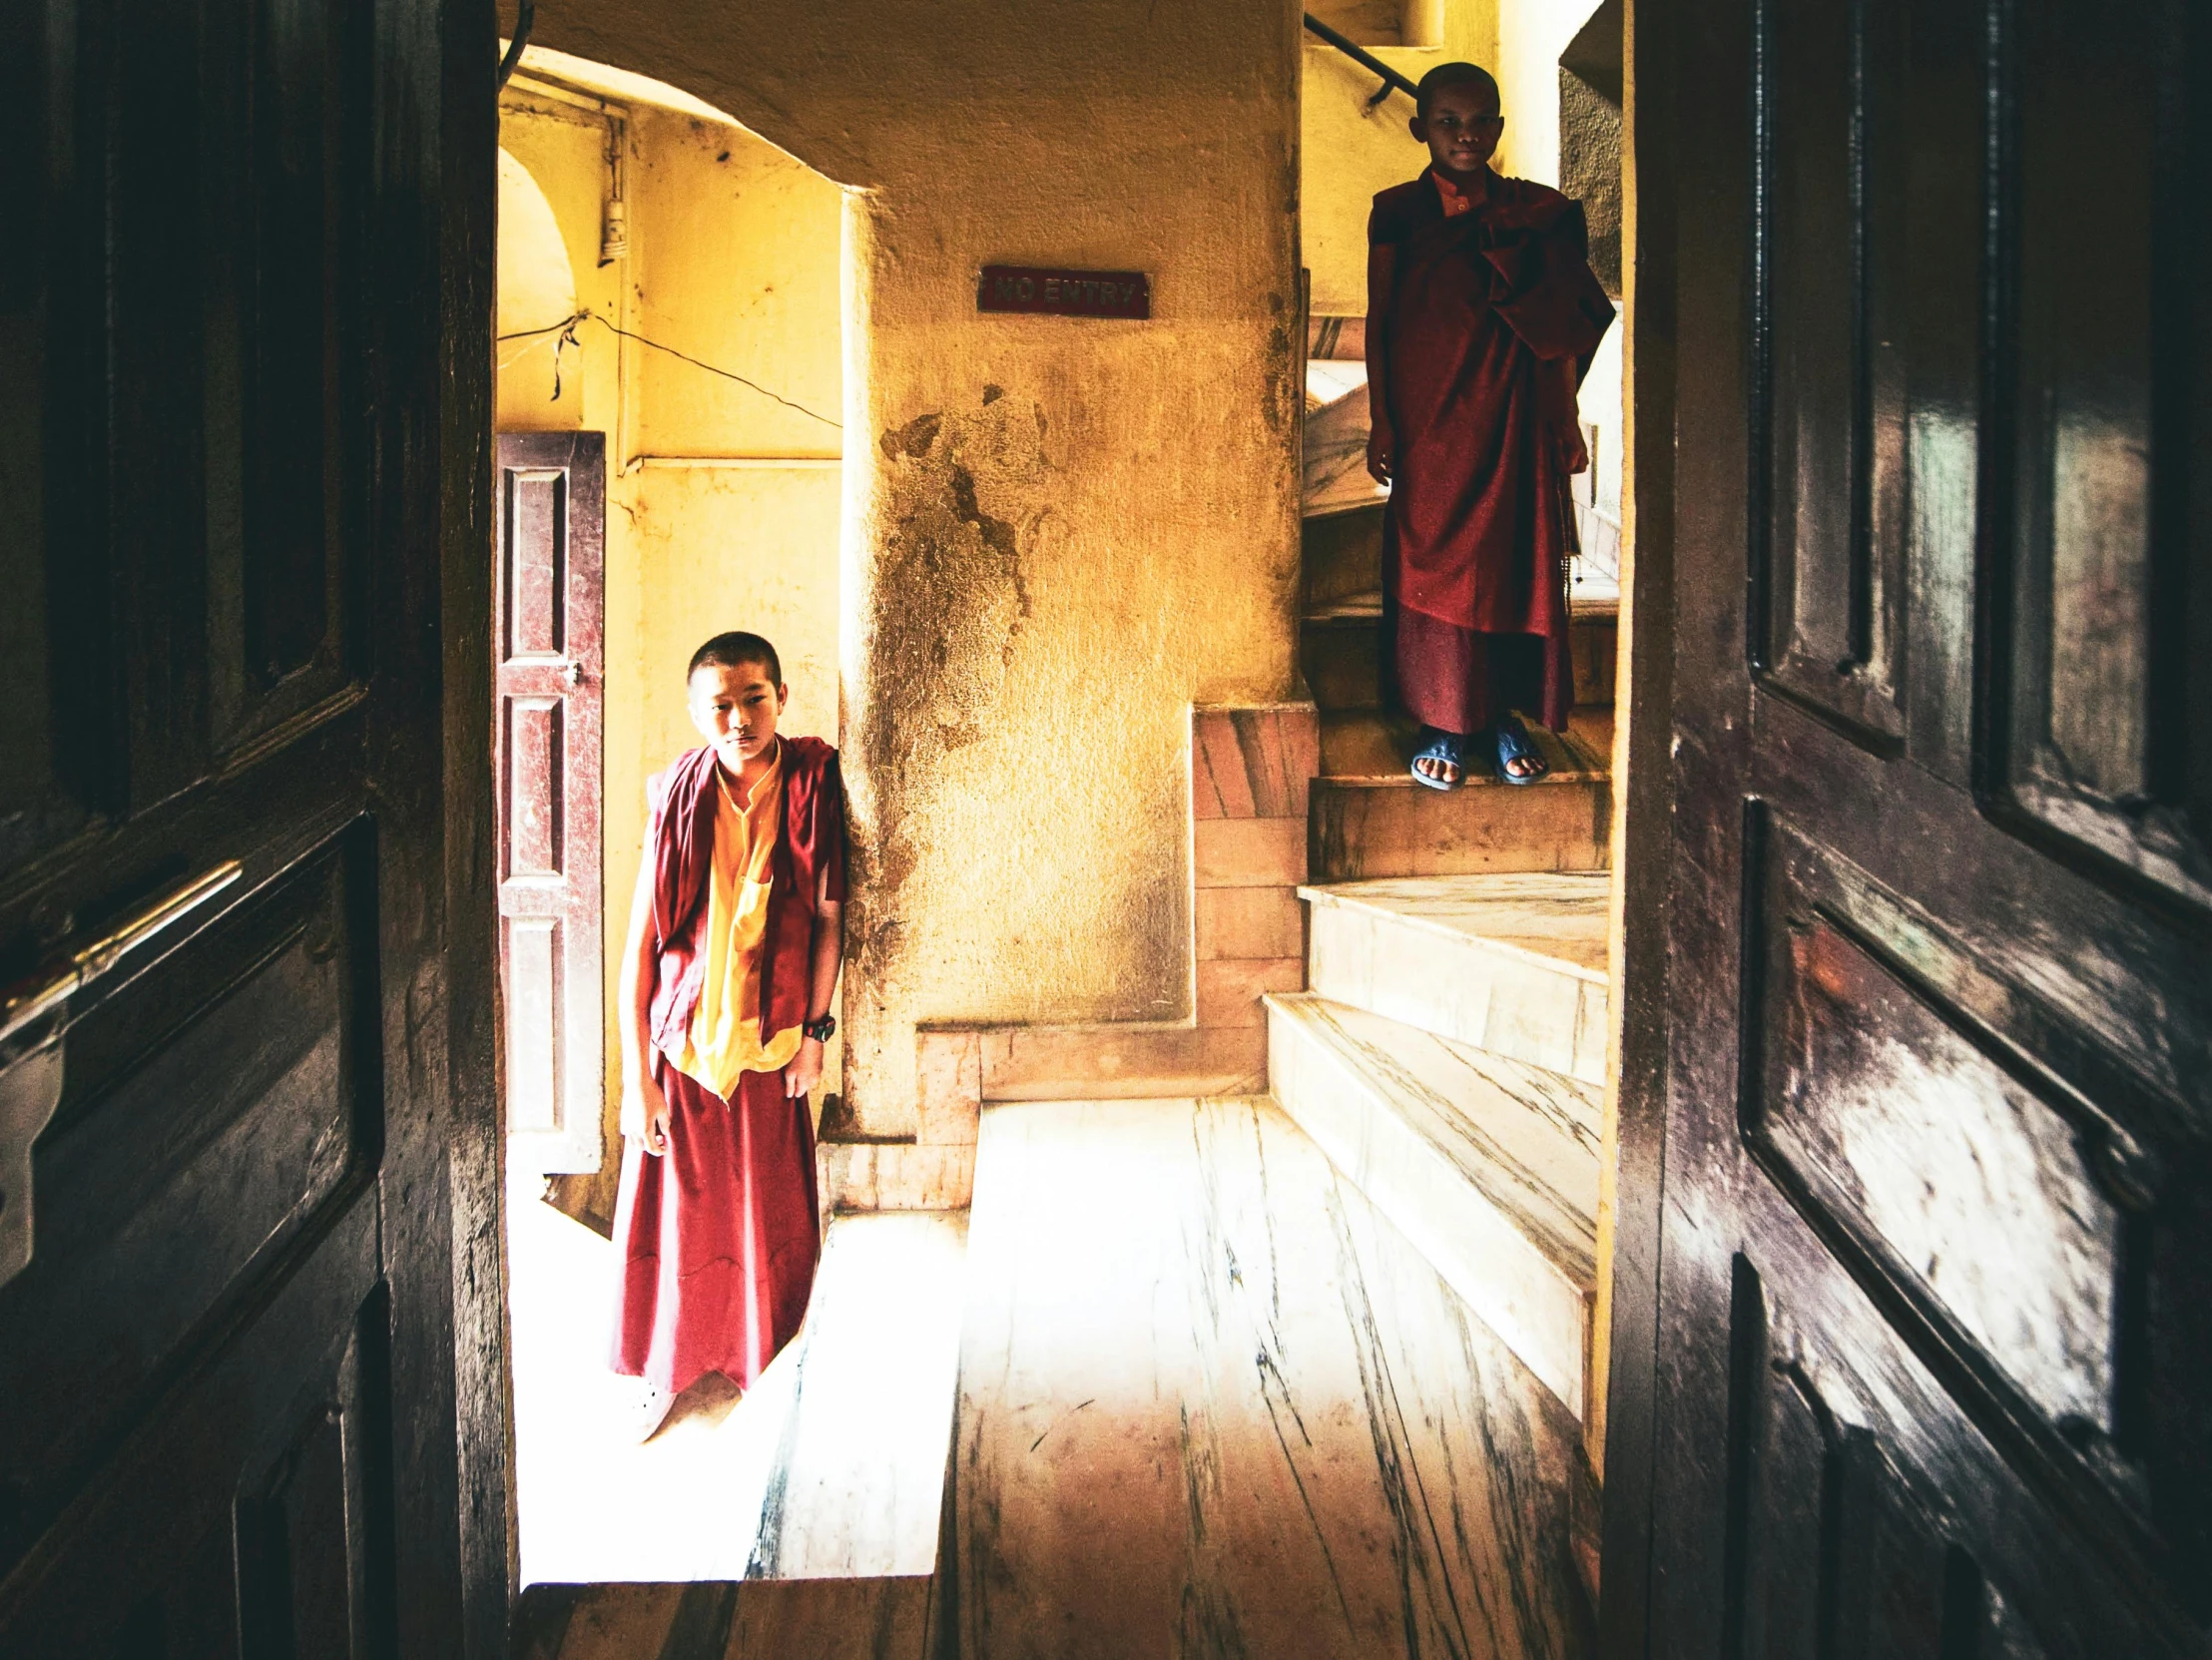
{"x": 1512, "y": 963}
{"x": 1488, "y": 1166}
{"x": 856, "y": 1489}
{"x": 1341, "y": 650}
{"x": 1213, "y": 1403}
{"x": 1367, "y": 818}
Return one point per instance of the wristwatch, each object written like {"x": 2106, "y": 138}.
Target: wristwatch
{"x": 823, "y": 1030}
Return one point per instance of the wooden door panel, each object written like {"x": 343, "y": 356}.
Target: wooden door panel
{"x": 536, "y": 754}
{"x": 551, "y": 684}
{"x": 1830, "y": 570}
{"x": 1962, "y": 1173}
{"x": 284, "y": 418}
{"x": 1932, "y": 1312}
{"x": 1865, "y": 1519}
{"x": 234, "y": 1070}
{"x": 534, "y": 548}
{"x": 2105, "y": 993}
{"x": 267, "y": 1470}
{"x": 250, "y": 1367}
{"x": 2090, "y": 549}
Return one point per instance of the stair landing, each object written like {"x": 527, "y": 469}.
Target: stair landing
{"x": 1211, "y": 1403}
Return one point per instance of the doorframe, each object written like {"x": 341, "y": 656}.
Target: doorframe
{"x": 460, "y": 212}
{"x": 1642, "y": 835}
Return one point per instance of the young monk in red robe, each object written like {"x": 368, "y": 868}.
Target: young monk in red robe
{"x": 1482, "y": 317}
{"x": 736, "y": 938}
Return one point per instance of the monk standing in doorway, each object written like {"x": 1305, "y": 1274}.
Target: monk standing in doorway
{"x": 1482, "y": 317}
{"x": 736, "y": 938}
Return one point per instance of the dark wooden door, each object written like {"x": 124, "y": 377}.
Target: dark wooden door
{"x": 551, "y": 500}
{"x": 250, "y": 1329}
{"x": 1933, "y": 1299}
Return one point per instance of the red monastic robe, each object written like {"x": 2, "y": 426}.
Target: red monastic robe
{"x": 1481, "y": 519}
{"x": 719, "y": 1235}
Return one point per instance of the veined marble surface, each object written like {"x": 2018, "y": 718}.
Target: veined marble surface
{"x": 1212, "y": 1405}
{"x": 1511, "y": 963}
{"x": 858, "y": 1485}
{"x": 1554, "y": 917}
{"x": 1488, "y": 1165}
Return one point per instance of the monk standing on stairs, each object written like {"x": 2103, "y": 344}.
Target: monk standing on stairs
{"x": 1482, "y": 317}
{"x": 736, "y": 938}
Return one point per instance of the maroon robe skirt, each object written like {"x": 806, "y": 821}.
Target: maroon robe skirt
{"x": 717, "y": 1237}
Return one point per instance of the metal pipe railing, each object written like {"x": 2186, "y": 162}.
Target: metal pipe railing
{"x": 1392, "y": 81}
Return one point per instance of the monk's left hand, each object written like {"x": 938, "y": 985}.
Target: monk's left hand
{"x": 804, "y": 1070}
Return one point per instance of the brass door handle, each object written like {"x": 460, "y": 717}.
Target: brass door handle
{"x": 31, "y": 1077}
{"x": 43, "y": 992}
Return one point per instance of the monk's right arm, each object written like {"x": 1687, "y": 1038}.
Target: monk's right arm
{"x": 644, "y": 1108}
{"x": 1381, "y": 442}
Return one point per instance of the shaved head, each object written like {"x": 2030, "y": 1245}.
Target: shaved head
{"x": 1454, "y": 75}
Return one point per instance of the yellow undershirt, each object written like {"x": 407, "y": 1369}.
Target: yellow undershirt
{"x": 723, "y": 1041}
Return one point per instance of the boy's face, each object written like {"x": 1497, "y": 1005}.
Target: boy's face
{"x": 734, "y": 709}
{"x": 1461, "y": 128}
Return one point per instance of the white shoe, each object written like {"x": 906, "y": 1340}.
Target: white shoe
{"x": 648, "y": 1410}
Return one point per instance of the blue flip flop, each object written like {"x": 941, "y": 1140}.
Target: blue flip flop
{"x": 1439, "y": 745}
{"x": 1512, "y": 746}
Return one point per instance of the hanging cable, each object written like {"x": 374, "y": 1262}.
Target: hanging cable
{"x": 566, "y": 328}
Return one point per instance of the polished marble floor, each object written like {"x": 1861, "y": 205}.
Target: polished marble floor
{"x": 1212, "y": 1405}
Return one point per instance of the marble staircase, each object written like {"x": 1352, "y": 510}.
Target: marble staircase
{"x": 1448, "y": 1056}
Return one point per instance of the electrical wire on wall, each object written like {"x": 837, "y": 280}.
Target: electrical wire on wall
{"x": 566, "y": 329}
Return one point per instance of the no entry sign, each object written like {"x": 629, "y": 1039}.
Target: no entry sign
{"x": 1067, "y": 293}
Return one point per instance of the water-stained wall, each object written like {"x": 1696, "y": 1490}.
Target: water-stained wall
{"x": 1057, "y": 533}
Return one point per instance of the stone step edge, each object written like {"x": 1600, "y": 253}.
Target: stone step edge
{"x": 1589, "y": 775}
{"x": 1580, "y": 1272}
{"x": 1581, "y": 1287}
{"x": 1328, "y": 893}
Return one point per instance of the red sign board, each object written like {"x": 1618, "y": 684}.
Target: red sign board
{"x": 1066, "y": 293}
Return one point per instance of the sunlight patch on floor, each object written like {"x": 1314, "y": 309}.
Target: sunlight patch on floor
{"x": 594, "y": 1504}
{"x": 842, "y": 1442}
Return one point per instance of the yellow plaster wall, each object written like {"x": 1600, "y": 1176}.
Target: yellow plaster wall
{"x": 562, "y": 150}
{"x": 1056, "y": 533}
{"x": 537, "y": 288}
{"x": 737, "y": 266}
